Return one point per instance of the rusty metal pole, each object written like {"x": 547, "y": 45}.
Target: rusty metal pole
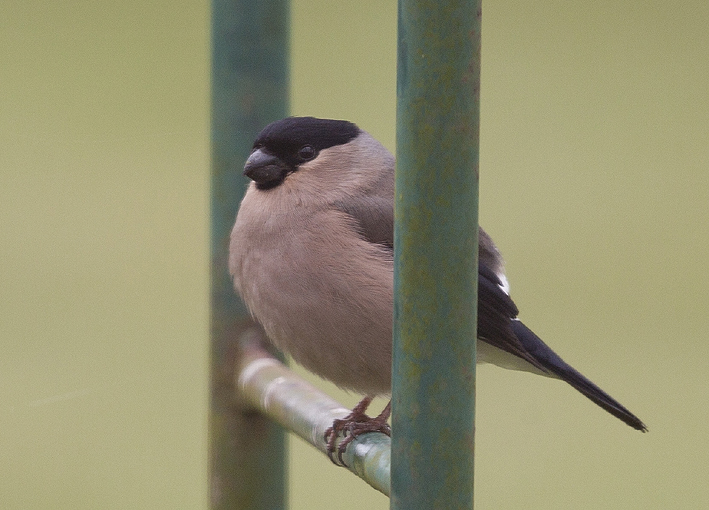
{"x": 250, "y": 43}
{"x": 436, "y": 254}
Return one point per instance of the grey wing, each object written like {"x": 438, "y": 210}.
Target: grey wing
{"x": 373, "y": 211}
{"x": 374, "y": 217}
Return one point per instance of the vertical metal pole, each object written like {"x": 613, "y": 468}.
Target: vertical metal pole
{"x": 249, "y": 89}
{"x": 436, "y": 254}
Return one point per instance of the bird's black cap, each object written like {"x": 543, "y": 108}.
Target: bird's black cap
{"x": 290, "y": 134}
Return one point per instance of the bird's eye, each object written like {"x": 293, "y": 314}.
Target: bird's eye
{"x": 306, "y": 153}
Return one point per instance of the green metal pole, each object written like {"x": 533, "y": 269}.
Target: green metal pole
{"x": 435, "y": 268}
{"x": 249, "y": 90}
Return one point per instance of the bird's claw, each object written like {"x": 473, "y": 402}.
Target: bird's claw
{"x": 354, "y": 425}
{"x": 351, "y": 427}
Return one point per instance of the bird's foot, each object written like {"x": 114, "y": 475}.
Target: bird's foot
{"x": 353, "y": 425}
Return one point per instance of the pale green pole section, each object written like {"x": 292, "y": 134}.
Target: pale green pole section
{"x": 249, "y": 90}
{"x": 436, "y": 254}
{"x": 268, "y": 385}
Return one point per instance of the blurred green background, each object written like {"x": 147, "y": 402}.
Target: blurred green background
{"x": 594, "y": 183}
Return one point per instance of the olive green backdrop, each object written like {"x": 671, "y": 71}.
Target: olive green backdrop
{"x": 594, "y": 182}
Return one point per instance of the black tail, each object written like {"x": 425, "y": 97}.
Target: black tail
{"x": 557, "y": 366}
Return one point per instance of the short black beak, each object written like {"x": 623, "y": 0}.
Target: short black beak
{"x": 265, "y": 169}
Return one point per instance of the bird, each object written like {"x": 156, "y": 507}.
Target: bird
{"x": 311, "y": 255}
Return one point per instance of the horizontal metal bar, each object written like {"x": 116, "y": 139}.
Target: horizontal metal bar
{"x": 267, "y": 385}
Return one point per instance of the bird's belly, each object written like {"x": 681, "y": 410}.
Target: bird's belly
{"x": 332, "y": 312}
{"x": 324, "y": 330}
